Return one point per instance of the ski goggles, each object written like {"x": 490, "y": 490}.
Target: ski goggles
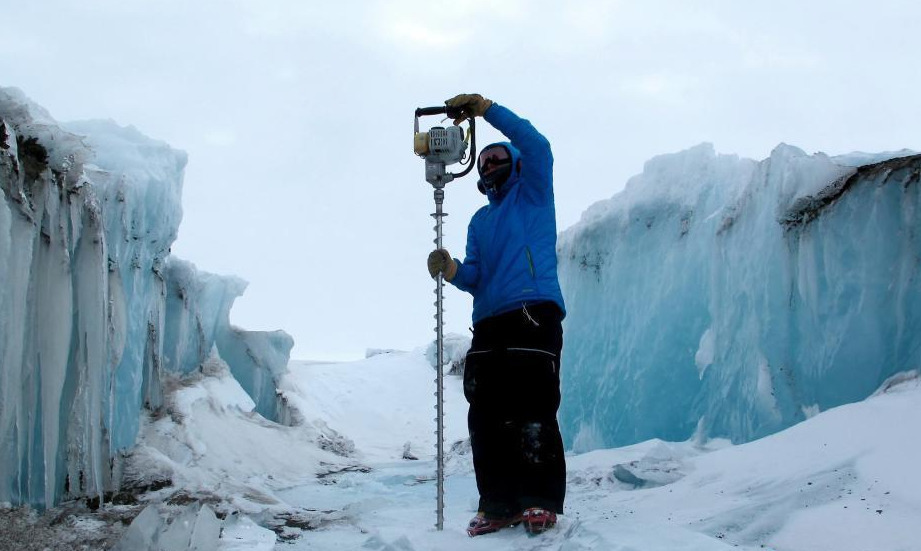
{"x": 492, "y": 158}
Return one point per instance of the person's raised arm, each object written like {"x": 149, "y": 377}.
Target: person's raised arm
{"x": 537, "y": 158}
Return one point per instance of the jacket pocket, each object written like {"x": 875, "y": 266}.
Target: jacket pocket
{"x": 530, "y": 259}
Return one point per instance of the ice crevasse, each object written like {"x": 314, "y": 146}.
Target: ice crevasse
{"x": 722, "y": 296}
{"x": 95, "y": 314}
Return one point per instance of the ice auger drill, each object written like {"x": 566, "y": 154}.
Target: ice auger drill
{"x": 441, "y": 147}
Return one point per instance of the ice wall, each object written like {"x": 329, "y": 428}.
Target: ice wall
{"x": 734, "y": 298}
{"x": 90, "y": 325}
{"x": 198, "y": 319}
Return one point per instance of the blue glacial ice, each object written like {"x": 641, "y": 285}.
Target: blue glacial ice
{"x": 723, "y": 297}
{"x": 95, "y": 314}
{"x": 198, "y": 319}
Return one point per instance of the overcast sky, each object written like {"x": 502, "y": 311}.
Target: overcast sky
{"x": 297, "y": 118}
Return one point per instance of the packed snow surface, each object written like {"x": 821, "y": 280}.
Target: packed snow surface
{"x": 843, "y": 480}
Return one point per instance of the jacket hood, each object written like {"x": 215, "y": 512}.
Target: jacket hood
{"x": 496, "y": 196}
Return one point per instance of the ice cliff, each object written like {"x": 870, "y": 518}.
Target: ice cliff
{"x": 95, "y": 315}
{"x": 727, "y": 297}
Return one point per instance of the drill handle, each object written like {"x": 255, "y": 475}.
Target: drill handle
{"x": 451, "y": 112}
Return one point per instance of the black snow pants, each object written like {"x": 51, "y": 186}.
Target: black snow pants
{"x": 512, "y": 382}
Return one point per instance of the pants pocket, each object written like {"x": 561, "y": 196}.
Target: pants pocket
{"x": 536, "y": 383}
{"x": 473, "y": 365}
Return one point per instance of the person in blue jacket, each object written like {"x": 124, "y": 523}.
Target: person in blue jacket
{"x": 512, "y": 376}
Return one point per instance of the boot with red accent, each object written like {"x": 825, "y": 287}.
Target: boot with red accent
{"x": 537, "y": 520}
{"x": 480, "y": 525}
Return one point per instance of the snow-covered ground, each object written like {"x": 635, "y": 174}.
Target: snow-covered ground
{"x": 846, "y": 479}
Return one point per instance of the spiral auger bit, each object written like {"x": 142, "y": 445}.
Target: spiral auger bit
{"x": 441, "y": 147}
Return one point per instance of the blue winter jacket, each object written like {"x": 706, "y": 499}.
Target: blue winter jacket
{"x": 511, "y": 242}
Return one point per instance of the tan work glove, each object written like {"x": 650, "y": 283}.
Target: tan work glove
{"x": 474, "y": 105}
{"x": 441, "y": 262}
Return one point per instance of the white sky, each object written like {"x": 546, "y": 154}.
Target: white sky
{"x": 297, "y": 117}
